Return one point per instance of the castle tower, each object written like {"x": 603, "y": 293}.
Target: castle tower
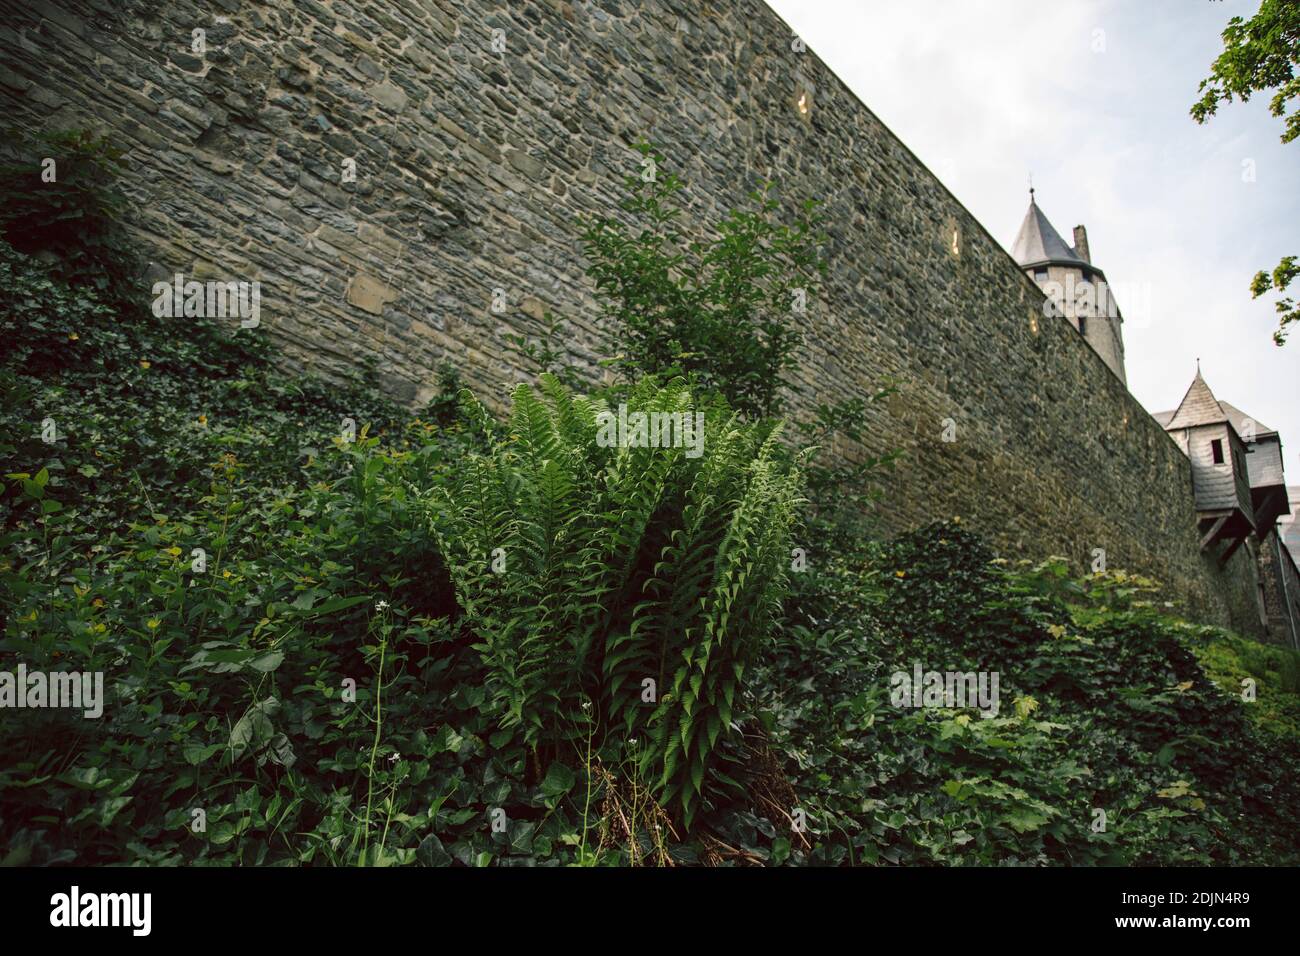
{"x": 1078, "y": 289}
{"x": 1220, "y": 473}
{"x": 1240, "y": 485}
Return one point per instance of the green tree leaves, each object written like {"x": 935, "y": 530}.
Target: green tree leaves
{"x": 1261, "y": 54}
{"x": 1282, "y": 277}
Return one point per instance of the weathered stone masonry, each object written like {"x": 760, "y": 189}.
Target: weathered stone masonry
{"x": 472, "y": 162}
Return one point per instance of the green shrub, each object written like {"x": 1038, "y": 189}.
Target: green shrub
{"x": 586, "y": 568}
{"x": 1273, "y": 671}
{"x": 223, "y": 677}
{"x": 59, "y": 198}
{"x": 723, "y": 310}
{"x": 1105, "y": 708}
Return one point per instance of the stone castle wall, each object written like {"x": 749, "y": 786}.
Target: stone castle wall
{"x": 1280, "y": 582}
{"x": 472, "y": 162}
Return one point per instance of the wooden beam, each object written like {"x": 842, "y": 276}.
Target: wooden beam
{"x": 1212, "y": 535}
{"x": 1228, "y": 551}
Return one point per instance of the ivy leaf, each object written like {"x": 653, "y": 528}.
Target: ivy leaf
{"x": 558, "y": 782}
{"x": 267, "y": 662}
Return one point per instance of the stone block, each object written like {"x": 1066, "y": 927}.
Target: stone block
{"x": 369, "y": 294}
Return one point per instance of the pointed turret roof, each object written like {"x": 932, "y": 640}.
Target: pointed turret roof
{"x": 1235, "y": 415}
{"x": 1198, "y": 407}
{"x": 1039, "y": 243}
{"x": 1240, "y": 418}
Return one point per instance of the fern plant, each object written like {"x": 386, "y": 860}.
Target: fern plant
{"x": 638, "y": 581}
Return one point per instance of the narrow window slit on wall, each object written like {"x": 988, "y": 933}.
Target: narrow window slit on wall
{"x": 1216, "y": 449}
{"x": 803, "y": 101}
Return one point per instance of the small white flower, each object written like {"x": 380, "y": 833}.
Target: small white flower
{"x": 381, "y": 606}
{"x": 586, "y": 705}
{"x": 394, "y": 757}
{"x": 632, "y": 743}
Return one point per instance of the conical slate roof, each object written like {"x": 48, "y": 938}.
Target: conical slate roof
{"x": 1240, "y": 418}
{"x": 1039, "y": 243}
{"x": 1235, "y": 415}
{"x": 1198, "y": 407}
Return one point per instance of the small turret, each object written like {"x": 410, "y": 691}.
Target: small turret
{"x": 1220, "y": 476}
{"x": 1078, "y": 289}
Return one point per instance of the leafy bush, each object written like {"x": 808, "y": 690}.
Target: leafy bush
{"x": 199, "y": 531}
{"x": 59, "y": 199}
{"x": 1110, "y": 711}
{"x": 586, "y": 569}
{"x": 723, "y": 310}
{"x": 320, "y": 567}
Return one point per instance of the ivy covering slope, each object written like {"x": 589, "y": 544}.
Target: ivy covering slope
{"x": 1123, "y": 735}
{"x": 427, "y": 641}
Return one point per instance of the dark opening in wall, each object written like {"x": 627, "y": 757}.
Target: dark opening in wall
{"x": 1216, "y": 449}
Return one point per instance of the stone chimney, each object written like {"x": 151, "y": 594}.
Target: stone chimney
{"x": 1081, "y": 243}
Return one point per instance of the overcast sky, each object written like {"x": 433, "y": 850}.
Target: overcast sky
{"x": 1092, "y": 98}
